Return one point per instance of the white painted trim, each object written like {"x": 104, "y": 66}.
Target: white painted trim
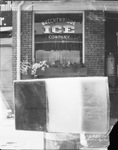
{"x": 83, "y": 40}
{"x": 33, "y": 48}
{"x": 19, "y": 38}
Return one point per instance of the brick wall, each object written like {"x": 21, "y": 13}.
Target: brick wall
{"x": 14, "y": 53}
{"x": 26, "y": 39}
{"x": 94, "y": 43}
{"x": 26, "y": 35}
{"x": 14, "y": 45}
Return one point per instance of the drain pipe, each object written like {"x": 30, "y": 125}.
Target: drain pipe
{"x": 19, "y": 38}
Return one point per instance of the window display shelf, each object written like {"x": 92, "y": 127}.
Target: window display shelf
{"x": 62, "y": 72}
{"x": 58, "y": 72}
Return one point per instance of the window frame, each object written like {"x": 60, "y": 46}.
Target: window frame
{"x": 59, "y": 12}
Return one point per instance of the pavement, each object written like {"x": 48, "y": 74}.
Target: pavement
{"x": 10, "y": 138}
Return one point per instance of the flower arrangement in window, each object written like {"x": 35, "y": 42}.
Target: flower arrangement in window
{"x": 43, "y": 66}
{"x": 25, "y": 66}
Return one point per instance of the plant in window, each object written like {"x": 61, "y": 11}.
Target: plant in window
{"x": 25, "y": 66}
{"x": 37, "y": 69}
{"x": 67, "y": 64}
{"x": 42, "y": 65}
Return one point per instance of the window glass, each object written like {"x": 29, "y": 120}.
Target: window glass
{"x": 58, "y": 37}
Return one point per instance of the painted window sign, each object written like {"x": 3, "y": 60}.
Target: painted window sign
{"x": 60, "y": 34}
{"x": 59, "y": 29}
{"x": 69, "y": 27}
{"x": 58, "y": 25}
{"x": 5, "y": 18}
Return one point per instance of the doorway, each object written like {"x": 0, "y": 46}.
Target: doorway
{"x": 111, "y": 47}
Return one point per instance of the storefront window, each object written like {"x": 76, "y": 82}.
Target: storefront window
{"x": 58, "y": 37}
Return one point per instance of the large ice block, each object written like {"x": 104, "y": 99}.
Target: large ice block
{"x": 63, "y": 105}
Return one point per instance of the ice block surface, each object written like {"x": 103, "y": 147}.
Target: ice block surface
{"x": 78, "y": 105}
{"x": 95, "y": 104}
{"x": 63, "y": 105}
{"x": 30, "y": 105}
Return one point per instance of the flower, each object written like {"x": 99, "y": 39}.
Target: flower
{"x": 42, "y": 65}
{"x": 25, "y": 66}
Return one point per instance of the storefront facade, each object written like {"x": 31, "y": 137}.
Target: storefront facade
{"x": 58, "y": 27}
{"x": 64, "y": 33}
{"x": 71, "y": 37}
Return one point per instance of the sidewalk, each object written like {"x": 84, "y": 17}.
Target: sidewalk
{"x": 10, "y": 138}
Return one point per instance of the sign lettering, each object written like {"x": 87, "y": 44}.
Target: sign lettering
{"x": 55, "y": 20}
{"x": 59, "y": 29}
{"x": 61, "y": 37}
